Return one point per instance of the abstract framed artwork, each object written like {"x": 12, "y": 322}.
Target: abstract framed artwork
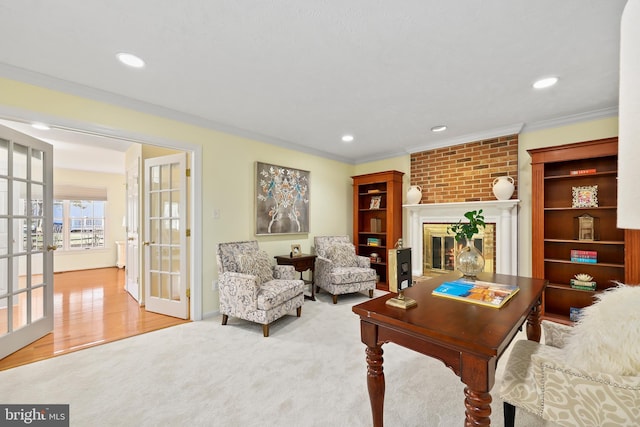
{"x": 282, "y": 200}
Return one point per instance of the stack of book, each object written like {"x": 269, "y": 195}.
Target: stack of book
{"x": 372, "y": 241}
{"x": 477, "y": 292}
{"x": 574, "y": 313}
{"x": 583, "y": 284}
{"x": 590, "y": 257}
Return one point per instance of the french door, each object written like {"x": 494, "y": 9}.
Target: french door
{"x": 165, "y": 230}
{"x": 26, "y": 240}
{"x": 132, "y": 278}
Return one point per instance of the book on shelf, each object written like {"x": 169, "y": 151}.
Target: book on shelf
{"x": 376, "y": 225}
{"x": 574, "y": 313}
{"x": 372, "y": 241}
{"x": 582, "y": 171}
{"x": 583, "y": 284}
{"x": 477, "y": 292}
{"x": 584, "y": 256}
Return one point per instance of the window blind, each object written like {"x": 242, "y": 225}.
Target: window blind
{"x": 74, "y": 192}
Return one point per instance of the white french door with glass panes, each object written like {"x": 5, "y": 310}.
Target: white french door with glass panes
{"x": 165, "y": 230}
{"x": 26, "y": 257}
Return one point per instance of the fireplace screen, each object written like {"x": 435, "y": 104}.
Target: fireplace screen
{"x": 440, "y": 248}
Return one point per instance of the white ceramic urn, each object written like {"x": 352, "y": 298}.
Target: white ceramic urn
{"x": 414, "y": 195}
{"x": 503, "y": 187}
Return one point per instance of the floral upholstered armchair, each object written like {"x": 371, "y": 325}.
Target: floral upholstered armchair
{"x": 339, "y": 270}
{"x": 585, "y": 375}
{"x": 254, "y": 290}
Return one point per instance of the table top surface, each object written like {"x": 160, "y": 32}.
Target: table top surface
{"x": 301, "y": 256}
{"x": 463, "y": 325}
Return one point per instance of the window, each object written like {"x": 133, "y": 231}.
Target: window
{"x": 79, "y": 224}
{"x": 79, "y": 217}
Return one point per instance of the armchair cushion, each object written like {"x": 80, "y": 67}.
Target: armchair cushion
{"x": 276, "y": 292}
{"x": 599, "y": 343}
{"x": 346, "y": 275}
{"x": 256, "y": 263}
{"x": 342, "y": 255}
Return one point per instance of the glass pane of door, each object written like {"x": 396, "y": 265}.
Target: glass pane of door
{"x": 26, "y": 266}
{"x": 165, "y": 197}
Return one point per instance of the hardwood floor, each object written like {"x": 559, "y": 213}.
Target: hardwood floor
{"x": 91, "y": 307}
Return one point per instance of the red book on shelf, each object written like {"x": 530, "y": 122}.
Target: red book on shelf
{"x": 582, "y": 171}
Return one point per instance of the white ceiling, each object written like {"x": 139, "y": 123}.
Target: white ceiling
{"x": 302, "y": 73}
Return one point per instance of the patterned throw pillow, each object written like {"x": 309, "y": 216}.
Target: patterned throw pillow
{"x": 256, "y": 263}
{"x": 342, "y": 255}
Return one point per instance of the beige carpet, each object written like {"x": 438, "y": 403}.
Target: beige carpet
{"x": 311, "y": 371}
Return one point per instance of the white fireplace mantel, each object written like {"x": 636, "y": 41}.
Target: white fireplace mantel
{"x": 503, "y": 213}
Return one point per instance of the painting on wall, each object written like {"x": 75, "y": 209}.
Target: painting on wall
{"x": 282, "y": 200}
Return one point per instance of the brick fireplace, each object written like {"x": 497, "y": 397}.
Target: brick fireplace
{"x": 457, "y": 179}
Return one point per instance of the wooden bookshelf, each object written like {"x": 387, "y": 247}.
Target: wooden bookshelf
{"x": 386, "y": 187}
{"x": 555, "y": 172}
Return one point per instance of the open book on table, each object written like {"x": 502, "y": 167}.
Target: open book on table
{"x": 477, "y": 292}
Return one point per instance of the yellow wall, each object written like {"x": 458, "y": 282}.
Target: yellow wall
{"x": 98, "y": 258}
{"x": 228, "y": 171}
{"x": 595, "y": 129}
{"x": 228, "y": 164}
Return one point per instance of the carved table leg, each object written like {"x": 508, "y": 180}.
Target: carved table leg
{"x": 533, "y": 323}
{"x": 375, "y": 383}
{"x": 478, "y": 408}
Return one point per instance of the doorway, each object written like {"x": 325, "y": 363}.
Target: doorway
{"x": 194, "y": 267}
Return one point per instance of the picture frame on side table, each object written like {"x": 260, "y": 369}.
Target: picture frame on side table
{"x": 295, "y": 250}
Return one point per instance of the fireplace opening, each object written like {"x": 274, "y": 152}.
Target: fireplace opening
{"x": 440, "y": 248}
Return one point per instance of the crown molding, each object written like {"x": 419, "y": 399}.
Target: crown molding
{"x": 65, "y": 86}
{"x": 471, "y": 137}
{"x": 571, "y": 119}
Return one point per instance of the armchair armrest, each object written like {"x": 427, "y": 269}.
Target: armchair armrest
{"x": 363, "y": 261}
{"x": 284, "y": 272}
{"x": 322, "y": 262}
{"x": 238, "y": 286}
{"x": 595, "y": 398}
{"x": 556, "y": 334}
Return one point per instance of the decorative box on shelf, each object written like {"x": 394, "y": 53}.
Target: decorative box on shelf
{"x": 586, "y": 227}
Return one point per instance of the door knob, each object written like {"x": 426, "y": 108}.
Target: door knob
{"x": 51, "y": 247}
{"x": 131, "y": 238}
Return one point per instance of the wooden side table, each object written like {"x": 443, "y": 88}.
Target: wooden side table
{"x": 302, "y": 262}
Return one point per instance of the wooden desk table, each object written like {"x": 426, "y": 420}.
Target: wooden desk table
{"x": 466, "y": 337}
{"x": 302, "y": 262}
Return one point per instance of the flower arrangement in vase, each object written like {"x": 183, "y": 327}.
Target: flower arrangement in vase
{"x": 469, "y": 260}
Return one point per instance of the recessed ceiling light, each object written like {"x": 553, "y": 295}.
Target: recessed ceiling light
{"x": 347, "y": 138}
{"x": 130, "y": 60}
{"x": 41, "y": 126}
{"x": 546, "y": 82}
{"x": 440, "y": 128}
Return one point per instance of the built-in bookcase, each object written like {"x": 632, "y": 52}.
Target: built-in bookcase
{"x": 377, "y": 218}
{"x": 574, "y": 203}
